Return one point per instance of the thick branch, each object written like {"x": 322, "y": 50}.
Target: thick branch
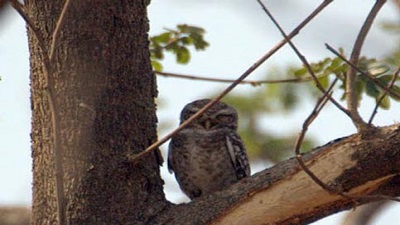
{"x": 359, "y": 165}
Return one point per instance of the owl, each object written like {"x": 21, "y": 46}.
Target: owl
{"x": 208, "y": 154}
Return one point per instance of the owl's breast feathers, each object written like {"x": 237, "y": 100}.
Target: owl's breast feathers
{"x": 211, "y": 159}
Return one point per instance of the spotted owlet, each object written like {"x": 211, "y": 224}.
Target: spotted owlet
{"x": 208, "y": 154}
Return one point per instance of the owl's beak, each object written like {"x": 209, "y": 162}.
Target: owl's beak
{"x": 209, "y": 124}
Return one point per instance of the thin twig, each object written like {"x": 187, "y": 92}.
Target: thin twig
{"x": 56, "y": 31}
{"x": 251, "y": 82}
{"x": 39, "y": 36}
{"x": 390, "y": 85}
{"x": 303, "y": 59}
{"x": 317, "y": 109}
{"x": 48, "y": 74}
{"x": 325, "y": 3}
{"x": 365, "y": 74}
{"x": 351, "y": 93}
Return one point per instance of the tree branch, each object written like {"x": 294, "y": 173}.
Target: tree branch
{"x": 56, "y": 31}
{"x": 351, "y": 94}
{"x": 356, "y": 165}
{"x": 251, "y": 82}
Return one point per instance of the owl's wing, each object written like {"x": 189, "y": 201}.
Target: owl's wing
{"x": 170, "y": 157}
{"x": 238, "y": 155}
{"x": 175, "y": 152}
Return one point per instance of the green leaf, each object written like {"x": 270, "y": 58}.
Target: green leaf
{"x": 300, "y": 72}
{"x": 186, "y": 40}
{"x": 336, "y": 62}
{"x": 198, "y": 41}
{"x": 184, "y": 28}
{"x": 176, "y": 42}
{"x": 157, "y": 66}
{"x": 162, "y": 38}
{"x": 324, "y": 81}
{"x": 182, "y": 55}
{"x": 376, "y": 69}
{"x": 371, "y": 89}
{"x": 385, "y": 103}
{"x": 396, "y": 90}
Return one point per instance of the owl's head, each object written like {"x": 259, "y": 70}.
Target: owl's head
{"x": 220, "y": 115}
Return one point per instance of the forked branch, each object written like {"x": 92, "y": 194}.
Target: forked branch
{"x": 351, "y": 93}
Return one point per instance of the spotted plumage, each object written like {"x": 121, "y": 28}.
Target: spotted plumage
{"x": 208, "y": 154}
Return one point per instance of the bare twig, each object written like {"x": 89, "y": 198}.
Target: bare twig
{"x": 48, "y": 74}
{"x": 365, "y": 74}
{"x": 56, "y": 31}
{"x": 325, "y": 3}
{"x": 317, "y": 109}
{"x": 351, "y": 94}
{"x": 251, "y": 82}
{"x": 39, "y": 36}
{"x": 390, "y": 85}
{"x": 303, "y": 59}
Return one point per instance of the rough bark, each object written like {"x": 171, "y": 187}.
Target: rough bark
{"x": 284, "y": 194}
{"x": 104, "y": 89}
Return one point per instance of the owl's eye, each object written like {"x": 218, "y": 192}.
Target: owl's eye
{"x": 225, "y": 118}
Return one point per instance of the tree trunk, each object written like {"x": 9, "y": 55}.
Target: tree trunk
{"x": 104, "y": 92}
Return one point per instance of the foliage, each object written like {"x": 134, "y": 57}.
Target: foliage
{"x": 177, "y": 42}
{"x": 381, "y": 73}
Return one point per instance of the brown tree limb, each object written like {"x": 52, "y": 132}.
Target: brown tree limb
{"x": 251, "y": 82}
{"x": 284, "y": 194}
{"x": 351, "y": 94}
{"x": 250, "y": 70}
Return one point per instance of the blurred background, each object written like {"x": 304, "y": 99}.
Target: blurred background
{"x": 238, "y": 33}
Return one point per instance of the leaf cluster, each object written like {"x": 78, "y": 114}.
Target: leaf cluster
{"x": 369, "y": 83}
{"x": 176, "y": 41}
